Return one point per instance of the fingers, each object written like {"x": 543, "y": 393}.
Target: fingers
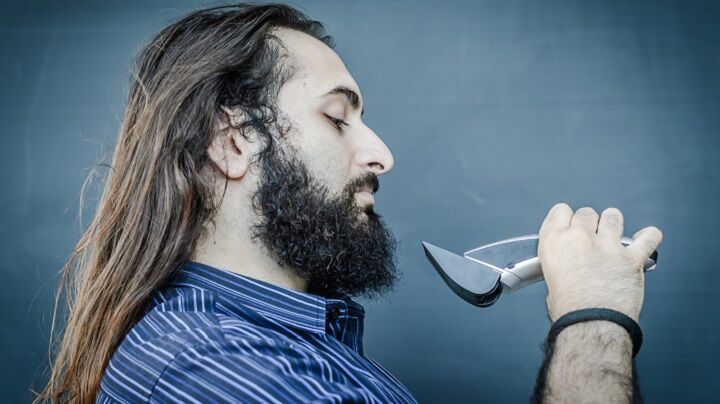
{"x": 558, "y": 217}
{"x": 586, "y": 218}
{"x": 611, "y": 224}
{"x": 645, "y": 242}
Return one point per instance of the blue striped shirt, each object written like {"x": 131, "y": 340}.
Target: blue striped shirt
{"x": 210, "y": 335}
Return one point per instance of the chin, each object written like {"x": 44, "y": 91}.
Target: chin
{"x": 364, "y": 212}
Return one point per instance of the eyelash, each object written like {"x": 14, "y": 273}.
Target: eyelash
{"x": 339, "y": 123}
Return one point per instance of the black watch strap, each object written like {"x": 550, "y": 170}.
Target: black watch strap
{"x": 593, "y": 314}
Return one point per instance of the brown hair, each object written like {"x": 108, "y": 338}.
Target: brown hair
{"x": 156, "y": 204}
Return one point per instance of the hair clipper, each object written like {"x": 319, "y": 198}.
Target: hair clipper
{"x": 482, "y": 274}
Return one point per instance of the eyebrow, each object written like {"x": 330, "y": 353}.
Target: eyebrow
{"x": 350, "y": 95}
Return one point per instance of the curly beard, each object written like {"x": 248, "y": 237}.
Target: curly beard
{"x": 336, "y": 246}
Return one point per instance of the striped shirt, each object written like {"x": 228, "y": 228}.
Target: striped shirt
{"x": 210, "y": 335}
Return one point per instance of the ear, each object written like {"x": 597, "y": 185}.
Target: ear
{"x": 229, "y": 151}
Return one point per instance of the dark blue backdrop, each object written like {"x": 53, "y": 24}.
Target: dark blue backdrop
{"x": 494, "y": 111}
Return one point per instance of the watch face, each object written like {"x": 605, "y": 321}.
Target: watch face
{"x": 505, "y": 255}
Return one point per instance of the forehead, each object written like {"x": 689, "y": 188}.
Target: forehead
{"x": 318, "y": 68}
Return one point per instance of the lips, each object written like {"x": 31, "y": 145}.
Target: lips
{"x": 367, "y": 196}
{"x": 365, "y": 188}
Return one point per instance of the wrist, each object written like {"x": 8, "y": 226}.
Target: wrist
{"x": 592, "y": 358}
{"x": 606, "y": 332}
{"x": 609, "y": 334}
{"x": 564, "y": 306}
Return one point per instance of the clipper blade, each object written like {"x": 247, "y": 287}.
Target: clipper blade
{"x": 475, "y": 283}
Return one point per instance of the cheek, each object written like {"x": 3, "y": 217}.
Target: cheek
{"x": 328, "y": 156}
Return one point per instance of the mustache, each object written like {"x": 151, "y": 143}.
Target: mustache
{"x": 368, "y": 179}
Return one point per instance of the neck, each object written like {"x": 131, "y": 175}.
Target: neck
{"x": 240, "y": 254}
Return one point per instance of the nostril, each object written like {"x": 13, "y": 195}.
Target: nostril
{"x": 378, "y": 165}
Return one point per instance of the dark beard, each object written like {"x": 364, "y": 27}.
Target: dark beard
{"x": 325, "y": 240}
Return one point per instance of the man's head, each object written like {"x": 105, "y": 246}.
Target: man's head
{"x": 312, "y": 189}
{"x": 242, "y": 119}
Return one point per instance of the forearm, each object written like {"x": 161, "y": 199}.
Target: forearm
{"x": 591, "y": 362}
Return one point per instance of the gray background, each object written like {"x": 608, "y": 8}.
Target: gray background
{"x": 494, "y": 111}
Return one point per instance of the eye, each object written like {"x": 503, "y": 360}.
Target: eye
{"x": 339, "y": 123}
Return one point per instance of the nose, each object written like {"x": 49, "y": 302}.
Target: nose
{"x": 374, "y": 155}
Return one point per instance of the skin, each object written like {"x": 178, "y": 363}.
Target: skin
{"x": 580, "y": 252}
{"x": 334, "y": 156}
{"x": 586, "y": 266}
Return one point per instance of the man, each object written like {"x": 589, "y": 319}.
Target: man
{"x": 238, "y": 223}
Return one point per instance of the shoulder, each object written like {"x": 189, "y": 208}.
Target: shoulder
{"x": 255, "y": 370}
{"x": 210, "y": 364}
{"x": 178, "y": 326}
{"x": 185, "y": 349}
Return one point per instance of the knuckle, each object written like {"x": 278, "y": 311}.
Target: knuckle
{"x": 577, "y": 233}
{"x": 612, "y": 216}
{"x": 612, "y": 220}
{"x": 586, "y": 210}
{"x": 612, "y": 213}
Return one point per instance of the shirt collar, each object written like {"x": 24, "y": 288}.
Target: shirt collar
{"x": 301, "y": 310}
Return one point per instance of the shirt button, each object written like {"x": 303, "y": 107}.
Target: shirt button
{"x": 333, "y": 314}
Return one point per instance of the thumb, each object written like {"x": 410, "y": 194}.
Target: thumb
{"x": 645, "y": 242}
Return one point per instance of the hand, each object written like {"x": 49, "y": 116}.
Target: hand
{"x": 586, "y": 266}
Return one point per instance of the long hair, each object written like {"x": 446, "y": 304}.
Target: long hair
{"x": 156, "y": 204}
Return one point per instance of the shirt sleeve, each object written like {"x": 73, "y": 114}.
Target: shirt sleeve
{"x": 243, "y": 371}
